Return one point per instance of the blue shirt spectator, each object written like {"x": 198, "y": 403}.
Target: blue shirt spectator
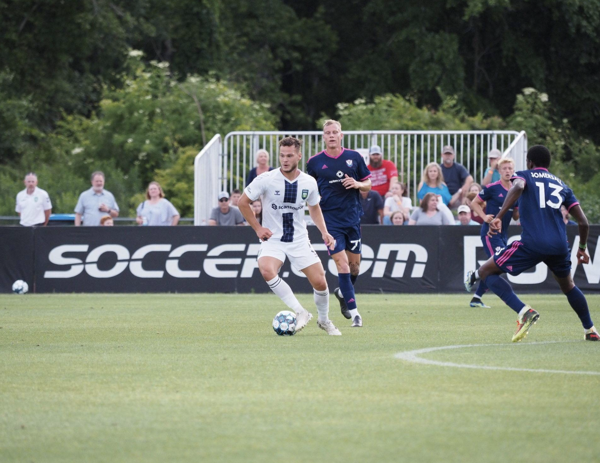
{"x": 95, "y": 203}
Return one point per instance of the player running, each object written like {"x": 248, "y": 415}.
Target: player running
{"x": 494, "y": 195}
{"x": 543, "y": 239}
{"x": 283, "y": 193}
{"x": 340, "y": 174}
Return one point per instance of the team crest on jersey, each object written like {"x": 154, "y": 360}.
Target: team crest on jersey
{"x": 349, "y": 162}
{"x": 304, "y": 194}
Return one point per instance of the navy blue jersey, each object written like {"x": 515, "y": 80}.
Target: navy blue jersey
{"x": 539, "y": 207}
{"x": 341, "y": 207}
{"x": 493, "y": 195}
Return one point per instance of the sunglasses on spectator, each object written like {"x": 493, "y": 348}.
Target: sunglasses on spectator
{"x": 223, "y": 200}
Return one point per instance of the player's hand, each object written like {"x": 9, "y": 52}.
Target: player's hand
{"x": 350, "y": 182}
{"x": 264, "y": 233}
{"x": 329, "y": 241}
{"x": 582, "y": 257}
{"x": 488, "y": 218}
{"x": 495, "y": 227}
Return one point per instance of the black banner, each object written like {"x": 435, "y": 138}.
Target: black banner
{"x": 223, "y": 259}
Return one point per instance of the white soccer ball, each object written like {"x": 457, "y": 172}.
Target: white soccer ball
{"x": 20, "y": 287}
{"x": 284, "y": 323}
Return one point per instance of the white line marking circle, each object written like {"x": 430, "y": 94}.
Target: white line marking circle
{"x": 413, "y": 356}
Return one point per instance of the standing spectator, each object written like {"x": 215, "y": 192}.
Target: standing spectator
{"x": 107, "y": 221}
{"x": 33, "y": 204}
{"x": 257, "y": 209}
{"x": 95, "y": 203}
{"x": 261, "y": 159}
{"x": 235, "y": 197}
{"x": 397, "y": 218}
{"x": 398, "y": 201}
{"x": 432, "y": 181}
{"x": 156, "y": 210}
{"x": 384, "y": 174}
{"x": 225, "y": 214}
{"x": 464, "y": 216}
{"x": 372, "y": 204}
{"x": 428, "y": 213}
{"x": 455, "y": 175}
{"x": 492, "y": 175}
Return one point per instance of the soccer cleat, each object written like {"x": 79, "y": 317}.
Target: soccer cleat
{"x": 302, "y": 319}
{"x": 343, "y": 305}
{"x": 470, "y": 281}
{"x": 529, "y": 318}
{"x": 592, "y": 336}
{"x": 357, "y": 322}
{"x": 478, "y": 303}
{"x": 329, "y": 328}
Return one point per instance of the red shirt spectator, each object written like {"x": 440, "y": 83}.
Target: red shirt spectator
{"x": 383, "y": 173}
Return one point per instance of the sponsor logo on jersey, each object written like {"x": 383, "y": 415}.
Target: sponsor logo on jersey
{"x": 339, "y": 173}
{"x": 274, "y": 206}
{"x": 304, "y": 194}
{"x": 349, "y": 162}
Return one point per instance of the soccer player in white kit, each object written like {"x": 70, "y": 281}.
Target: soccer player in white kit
{"x": 283, "y": 193}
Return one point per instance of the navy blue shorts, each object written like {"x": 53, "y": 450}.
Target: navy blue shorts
{"x": 493, "y": 244}
{"x": 346, "y": 239}
{"x": 515, "y": 259}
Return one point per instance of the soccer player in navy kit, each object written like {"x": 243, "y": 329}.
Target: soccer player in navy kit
{"x": 543, "y": 239}
{"x": 340, "y": 174}
{"x": 494, "y": 195}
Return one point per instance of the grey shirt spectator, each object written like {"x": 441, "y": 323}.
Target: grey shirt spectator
{"x": 159, "y": 214}
{"x": 95, "y": 203}
{"x": 225, "y": 214}
{"x": 421, "y": 218}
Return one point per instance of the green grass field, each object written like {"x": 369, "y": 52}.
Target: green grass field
{"x": 202, "y": 378}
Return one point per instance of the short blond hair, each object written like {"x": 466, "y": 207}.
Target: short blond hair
{"x": 331, "y": 122}
{"x": 505, "y": 161}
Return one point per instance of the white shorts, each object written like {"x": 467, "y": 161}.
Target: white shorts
{"x": 301, "y": 253}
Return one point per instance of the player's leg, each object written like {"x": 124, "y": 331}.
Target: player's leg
{"x": 488, "y": 248}
{"x": 269, "y": 269}
{"x": 577, "y": 300}
{"x": 346, "y": 256}
{"x": 316, "y": 277}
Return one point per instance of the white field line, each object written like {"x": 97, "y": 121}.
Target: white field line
{"x": 414, "y": 357}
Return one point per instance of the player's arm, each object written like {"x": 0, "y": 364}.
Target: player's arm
{"x": 316, "y": 214}
{"x": 513, "y": 195}
{"x": 244, "y": 206}
{"x": 477, "y": 206}
{"x": 584, "y": 230}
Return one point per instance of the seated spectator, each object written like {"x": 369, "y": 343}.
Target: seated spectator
{"x": 491, "y": 174}
{"x": 565, "y": 214}
{"x": 257, "y": 209}
{"x": 397, "y": 218}
{"x": 384, "y": 173}
{"x": 261, "y": 159}
{"x": 432, "y": 181}
{"x": 456, "y": 176}
{"x": 398, "y": 201}
{"x": 464, "y": 216}
{"x": 428, "y": 213}
{"x": 107, "y": 221}
{"x": 235, "y": 197}
{"x": 156, "y": 210}
{"x": 474, "y": 190}
{"x": 225, "y": 214}
{"x": 372, "y": 204}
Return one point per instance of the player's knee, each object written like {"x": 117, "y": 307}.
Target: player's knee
{"x": 320, "y": 284}
{"x": 267, "y": 273}
{"x": 354, "y": 269}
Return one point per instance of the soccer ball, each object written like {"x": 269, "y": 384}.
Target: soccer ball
{"x": 20, "y": 287}
{"x": 284, "y": 323}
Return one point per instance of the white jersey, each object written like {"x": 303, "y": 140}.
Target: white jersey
{"x": 283, "y": 203}
{"x": 32, "y": 207}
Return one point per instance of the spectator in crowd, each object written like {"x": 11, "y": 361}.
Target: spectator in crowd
{"x": 261, "y": 159}
{"x": 397, "y": 218}
{"x": 372, "y": 204}
{"x": 473, "y": 192}
{"x": 33, "y": 204}
{"x": 464, "y": 216}
{"x": 491, "y": 174}
{"x": 565, "y": 214}
{"x": 235, "y": 197}
{"x": 428, "y": 213}
{"x": 398, "y": 201}
{"x": 257, "y": 209}
{"x": 456, "y": 176}
{"x": 383, "y": 172}
{"x": 95, "y": 203}
{"x": 156, "y": 210}
{"x": 432, "y": 181}
{"x": 107, "y": 221}
{"x": 225, "y": 214}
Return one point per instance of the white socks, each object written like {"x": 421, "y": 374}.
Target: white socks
{"x": 322, "y": 303}
{"x": 284, "y": 292}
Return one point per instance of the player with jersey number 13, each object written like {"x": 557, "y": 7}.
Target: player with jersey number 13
{"x": 283, "y": 193}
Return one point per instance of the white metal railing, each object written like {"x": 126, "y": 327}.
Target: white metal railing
{"x": 206, "y": 180}
{"x": 518, "y": 151}
{"x": 409, "y": 150}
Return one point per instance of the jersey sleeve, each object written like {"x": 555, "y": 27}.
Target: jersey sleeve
{"x": 310, "y": 168}
{"x": 313, "y": 195}
{"x": 485, "y": 194}
{"x": 256, "y": 188}
{"x": 570, "y": 199}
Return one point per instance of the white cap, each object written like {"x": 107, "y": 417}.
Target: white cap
{"x": 463, "y": 208}
{"x": 223, "y": 194}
